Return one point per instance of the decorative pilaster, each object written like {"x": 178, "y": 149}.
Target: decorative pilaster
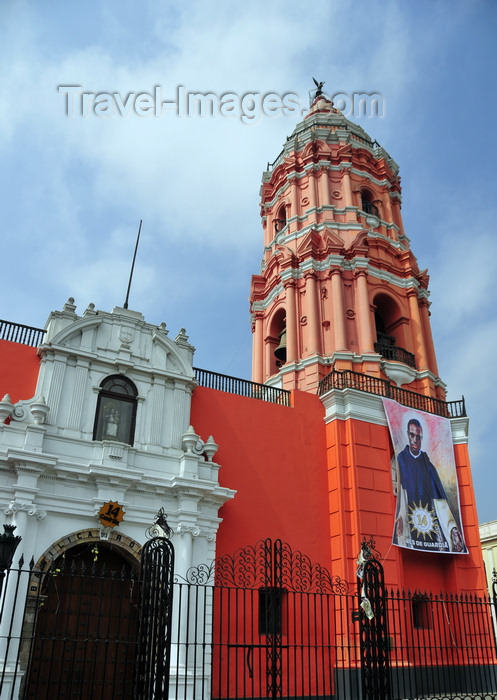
{"x": 313, "y": 313}
{"x": 257, "y": 348}
{"x": 338, "y": 312}
{"x": 363, "y": 312}
{"x": 424, "y": 305}
{"x": 54, "y": 394}
{"x": 158, "y": 394}
{"x": 294, "y": 197}
{"x": 76, "y": 408}
{"x": 347, "y": 188}
{"x": 291, "y": 320}
{"x": 180, "y": 418}
{"x": 417, "y": 330}
{"x": 323, "y": 187}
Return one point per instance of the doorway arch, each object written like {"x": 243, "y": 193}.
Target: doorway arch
{"x": 82, "y": 611}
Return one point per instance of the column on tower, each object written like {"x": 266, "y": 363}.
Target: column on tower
{"x": 417, "y": 330}
{"x": 311, "y": 189}
{"x": 257, "y": 348}
{"x": 340, "y": 341}
{"x": 291, "y": 320}
{"x": 323, "y": 186}
{"x": 427, "y": 334}
{"x": 312, "y": 313}
{"x": 294, "y": 202}
{"x": 363, "y": 314}
{"x": 347, "y": 188}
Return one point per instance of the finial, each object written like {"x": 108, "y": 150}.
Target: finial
{"x": 319, "y": 86}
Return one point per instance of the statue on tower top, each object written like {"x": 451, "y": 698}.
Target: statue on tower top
{"x": 319, "y": 86}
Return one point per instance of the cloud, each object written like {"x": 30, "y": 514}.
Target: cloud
{"x": 75, "y": 189}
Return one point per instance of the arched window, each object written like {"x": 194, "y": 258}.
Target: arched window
{"x": 278, "y": 340}
{"x": 116, "y": 410}
{"x": 367, "y": 203}
{"x": 280, "y": 221}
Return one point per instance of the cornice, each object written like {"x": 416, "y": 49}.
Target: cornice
{"x": 338, "y": 261}
{"x": 351, "y": 404}
{"x": 325, "y": 165}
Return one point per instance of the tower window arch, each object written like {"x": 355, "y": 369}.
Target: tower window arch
{"x": 280, "y": 221}
{"x": 277, "y": 340}
{"x": 367, "y": 205}
{"x": 391, "y": 330}
{"x": 116, "y": 410}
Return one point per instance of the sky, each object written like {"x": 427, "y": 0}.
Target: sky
{"x": 79, "y": 173}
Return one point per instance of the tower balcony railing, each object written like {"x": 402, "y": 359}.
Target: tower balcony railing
{"x": 382, "y": 387}
{"x": 392, "y": 352}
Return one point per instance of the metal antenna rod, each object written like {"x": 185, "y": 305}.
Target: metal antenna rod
{"x": 133, "y": 265}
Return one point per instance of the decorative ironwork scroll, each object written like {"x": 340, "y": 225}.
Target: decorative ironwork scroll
{"x": 274, "y": 563}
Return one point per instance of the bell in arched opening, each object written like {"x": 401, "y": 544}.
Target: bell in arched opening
{"x": 280, "y": 352}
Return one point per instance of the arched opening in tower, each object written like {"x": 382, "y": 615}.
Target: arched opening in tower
{"x": 278, "y": 338}
{"x": 391, "y": 325}
{"x": 367, "y": 204}
{"x": 280, "y": 221}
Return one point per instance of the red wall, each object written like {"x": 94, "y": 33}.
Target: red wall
{"x": 19, "y": 366}
{"x": 322, "y": 489}
{"x": 274, "y": 456}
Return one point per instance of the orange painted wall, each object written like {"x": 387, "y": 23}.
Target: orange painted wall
{"x": 274, "y": 456}
{"x": 362, "y": 504}
{"x": 19, "y": 366}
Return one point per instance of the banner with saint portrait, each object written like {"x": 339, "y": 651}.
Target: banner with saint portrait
{"x": 427, "y": 514}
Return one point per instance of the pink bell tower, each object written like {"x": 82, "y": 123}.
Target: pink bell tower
{"x": 339, "y": 287}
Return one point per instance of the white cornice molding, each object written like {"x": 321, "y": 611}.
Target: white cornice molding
{"x": 460, "y": 430}
{"x": 337, "y": 261}
{"x": 346, "y": 404}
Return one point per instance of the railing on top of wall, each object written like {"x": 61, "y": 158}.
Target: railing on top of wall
{"x": 17, "y": 333}
{"x": 242, "y": 387}
{"x": 382, "y": 387}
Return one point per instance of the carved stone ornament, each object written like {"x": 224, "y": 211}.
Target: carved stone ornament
{"x": 29, "y": 508}
{"x": 126, "y": 335}
{"x": 182, "y": 529}
{"x": 6, "y": 408}
{"x": 33, "y": 410}
{"x": 194, "y": 444}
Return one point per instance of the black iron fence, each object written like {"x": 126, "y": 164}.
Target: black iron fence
{"x": 72, "y": 632}
{"x": 382, "y": 387}
{"x": 242, "y": 387}
{"x": 393, "y": 352}
{"x": 17, "y": 333}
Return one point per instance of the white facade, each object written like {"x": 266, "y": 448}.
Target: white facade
{"x": 55, "y": 477}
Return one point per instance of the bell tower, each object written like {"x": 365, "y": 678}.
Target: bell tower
{"x": 339, "y": 287}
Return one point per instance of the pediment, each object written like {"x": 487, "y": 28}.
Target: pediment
{"x": 319, "y": 245}
{"x": 121, "y": 340}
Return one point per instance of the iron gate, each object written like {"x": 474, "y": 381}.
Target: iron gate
{"x": 373, "y": 619}
{"x": 276, "y": 615}
{"x": 153, "y": 653}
